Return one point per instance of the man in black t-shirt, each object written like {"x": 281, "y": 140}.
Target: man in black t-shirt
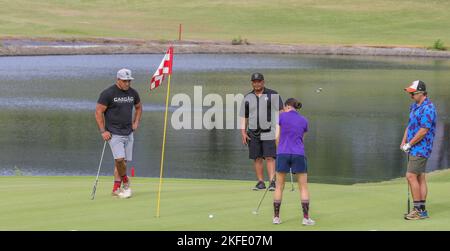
{"x": 258, "y": 113}
{"x": 114, "y": 116}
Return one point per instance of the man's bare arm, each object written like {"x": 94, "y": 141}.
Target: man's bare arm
{"x": 419, "y": 136}
{"x": 137, "y": 115}
{"x": 245, "y": 137}
{"x": 99, "y": 117}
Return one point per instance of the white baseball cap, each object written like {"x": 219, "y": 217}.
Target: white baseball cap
{"x": 124, "y": 74}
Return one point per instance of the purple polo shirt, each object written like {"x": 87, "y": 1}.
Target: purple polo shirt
{"x": 292, "y": 128}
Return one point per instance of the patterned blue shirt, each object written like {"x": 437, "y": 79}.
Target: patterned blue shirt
{"x": 422, "y": 116}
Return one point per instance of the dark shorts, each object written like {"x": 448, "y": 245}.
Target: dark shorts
{"x": 261, "y": 148}
{"x": 286, "y": 162}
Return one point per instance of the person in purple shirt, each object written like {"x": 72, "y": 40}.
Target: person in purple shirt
{"x": 290, "y": 132}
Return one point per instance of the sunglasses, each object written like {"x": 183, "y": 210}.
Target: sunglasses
{"x": 414, "y": 93}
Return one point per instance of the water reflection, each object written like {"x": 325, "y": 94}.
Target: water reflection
{"x": 357, "y": 121}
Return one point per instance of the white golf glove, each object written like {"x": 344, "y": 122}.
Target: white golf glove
{"x": 406, "y": 147}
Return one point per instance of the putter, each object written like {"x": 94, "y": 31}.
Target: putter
{"x": 94, "y": 189}
{"x": 408, "y": 206}
{"x": 256, "y": 211}
{"x": 409, "y": 202}
{"x": 292, "y": 182}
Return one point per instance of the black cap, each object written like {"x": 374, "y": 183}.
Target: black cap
{"x": 257, "y": 76}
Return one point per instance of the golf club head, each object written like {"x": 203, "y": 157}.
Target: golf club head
{"x": 94, "y": 189}
{"x": 255, "y": 212}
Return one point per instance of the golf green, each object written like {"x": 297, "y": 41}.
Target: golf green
{"x": 63, "y": 203}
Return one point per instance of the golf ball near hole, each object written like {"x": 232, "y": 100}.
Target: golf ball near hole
{"x": 211, "y": 216}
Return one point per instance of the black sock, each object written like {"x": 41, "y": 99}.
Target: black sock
{"x": 417, "y": 205}
{"x": 305, "y": 207}
{"x": 422, "y": 205}
{"x": 276, "y": 208}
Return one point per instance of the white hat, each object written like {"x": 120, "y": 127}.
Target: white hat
{"x": 124, "y": 74}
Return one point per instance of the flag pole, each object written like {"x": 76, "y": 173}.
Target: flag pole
{"x": 164, "y": 141}
{"x": 166, "y": 64}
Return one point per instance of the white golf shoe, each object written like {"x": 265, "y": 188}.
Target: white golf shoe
{"x": 308, "y": 222}
{"x": 126, "y": 193}
{"x": 276, "y": 220}
{"x": 117, "y": 193}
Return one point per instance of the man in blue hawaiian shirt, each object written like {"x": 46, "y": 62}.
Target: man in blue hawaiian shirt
{"x": 417, "y": 142}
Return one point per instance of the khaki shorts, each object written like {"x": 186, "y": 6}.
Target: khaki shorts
{"x": 416, "y": 165}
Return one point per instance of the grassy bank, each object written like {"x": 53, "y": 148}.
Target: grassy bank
{"x": 412, "y": 22}
{"x": 62, "y": 203}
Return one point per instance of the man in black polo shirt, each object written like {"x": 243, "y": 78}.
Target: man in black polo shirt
{"x": 258, "y": 128}
{"x": 114, "y": 116}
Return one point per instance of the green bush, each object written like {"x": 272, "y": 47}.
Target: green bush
{"x": 438, "y": 45}
{"x": 239, "y": 41}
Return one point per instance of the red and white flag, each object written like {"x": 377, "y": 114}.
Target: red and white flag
{"x": 164, "y": 68}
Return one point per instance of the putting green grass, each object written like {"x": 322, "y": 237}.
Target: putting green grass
{"x": 382, "y": 22}
{"x": 63, "y": 203}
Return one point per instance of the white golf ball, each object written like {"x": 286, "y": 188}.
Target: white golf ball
{"x": 211, "y": 216}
